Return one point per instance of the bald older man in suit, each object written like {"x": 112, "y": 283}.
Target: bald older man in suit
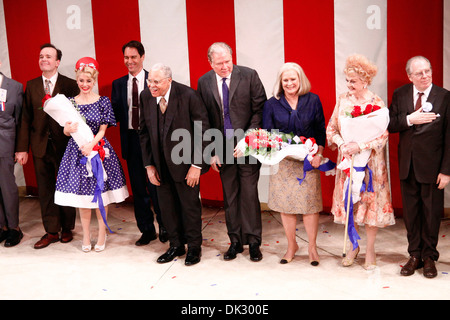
{"x": 420, "y": 112}
{"x": 169, "y": 109}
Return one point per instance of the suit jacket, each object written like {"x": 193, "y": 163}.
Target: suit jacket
{"x": 119, "y": 101}
{"x": 184, "y": 108}
{"x": 9, "y": 118}
{"x": 246, "y": 99}
{"x": 426, "y": 146}
{"x": 36, "y": 126}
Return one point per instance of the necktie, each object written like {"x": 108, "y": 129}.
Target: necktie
{"x": 418, "y": 102}
{"x": 134, "y": 106}
{"x": 163, "y": 105}
{"x": 47, "y": 86}
{"x": 226, "y": 108}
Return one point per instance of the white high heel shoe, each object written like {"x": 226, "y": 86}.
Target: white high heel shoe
{"x": 99, "y": 248}
{"x": 86, "y": 248}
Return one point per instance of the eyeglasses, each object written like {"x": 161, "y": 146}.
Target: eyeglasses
{"x": 155, "y": 82}
{"x": 422, "y": 74}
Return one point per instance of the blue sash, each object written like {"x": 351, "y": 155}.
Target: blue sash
{"x": 97, "y": 171}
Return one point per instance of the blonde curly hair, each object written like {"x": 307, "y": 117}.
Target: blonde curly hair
{"x": 361, "y": 66}
{"x": 93, "y": 73}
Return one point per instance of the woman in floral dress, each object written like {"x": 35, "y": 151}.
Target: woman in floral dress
{"x": 75, "y": 185}
{"x": 374, "y": 210}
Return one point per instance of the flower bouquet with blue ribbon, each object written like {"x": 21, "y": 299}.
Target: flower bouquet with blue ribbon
{"x": 272, "y": 147}
{"x": 360, "y": 126}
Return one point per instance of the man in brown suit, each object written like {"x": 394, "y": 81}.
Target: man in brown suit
{"x": 420, "y": 112}
{"x": 48, "y": 143}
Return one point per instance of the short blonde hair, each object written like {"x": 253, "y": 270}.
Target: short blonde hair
{"x": 361, "y": 66}
{"x": 305, "y": 85}
{"x": 88, "y": 70}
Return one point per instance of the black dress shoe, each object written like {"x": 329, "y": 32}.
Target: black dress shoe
{"x": 412, "y": 265}
{"x": 171, "y": 254}
{"x": 145, "y": 238}
{"x": 233, "y": 250}
{"x": 3, "y": 234}
{"x": 193, "y": 256}
{"x": 163, "y": 235}
{"x": 255, "y": 253}
{"x": 14, "y": 238}
{"x": 429, "y": 268}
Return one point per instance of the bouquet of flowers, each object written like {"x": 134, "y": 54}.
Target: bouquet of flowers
{"x": 361, "y": 126}
{"x": 272, "y": 147}
{"x": 62, "y": 110}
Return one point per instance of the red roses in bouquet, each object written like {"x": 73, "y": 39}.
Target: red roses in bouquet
{"x": 262, "y": 141}
{"x": 358, "y": 112}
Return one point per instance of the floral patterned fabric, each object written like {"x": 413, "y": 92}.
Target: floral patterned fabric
{"x": 374, "y": 208}
{"x": 287, "y": 195}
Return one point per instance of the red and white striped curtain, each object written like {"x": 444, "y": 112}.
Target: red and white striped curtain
{"x": 264, "y": 34}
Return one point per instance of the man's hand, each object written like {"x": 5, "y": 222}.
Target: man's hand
{"x": 193, "y": 176}
{"x": 153, "y": 175}
{"x": 215, "y": 163}
{"x": 419, "y": 117}
{"x": 238, "y": 152}
{"x": 442, "y": 180}
{"x": 22, "y": 158}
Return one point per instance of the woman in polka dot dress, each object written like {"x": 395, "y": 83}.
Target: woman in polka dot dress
{"x": 74, "y": 186}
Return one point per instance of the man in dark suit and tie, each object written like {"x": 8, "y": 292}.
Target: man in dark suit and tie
{"x": 173, "y": 120}
{"x": 235, "y": 96}
{"x": 420, "y": 112}
{"x": 11, "y": 95}
{"x": 48, "y": 143}
{"x": 125, "y": 102}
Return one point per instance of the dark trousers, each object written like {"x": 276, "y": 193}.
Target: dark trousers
{"x": 423, "y": 207}
{"x": 144, "y": 193}
{"x": 9, "y": 195}
{"x": 241, "y": 202}
{"x": 54, "y": 217}
{"x": 181, "y": 210}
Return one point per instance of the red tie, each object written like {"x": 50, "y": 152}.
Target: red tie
{"x": 418, "y": 102}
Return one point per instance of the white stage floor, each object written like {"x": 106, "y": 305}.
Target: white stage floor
{"x": 125, "y": 271}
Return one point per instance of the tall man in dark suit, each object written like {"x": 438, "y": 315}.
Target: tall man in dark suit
{"x": 125, "y": 102}
{"x": 420, "y": 112}
{"x": 241, "y": 109}
{"x": 11, "y": 95}
{"x": 173, "y": 120}
{"x": 48, "y": 143}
